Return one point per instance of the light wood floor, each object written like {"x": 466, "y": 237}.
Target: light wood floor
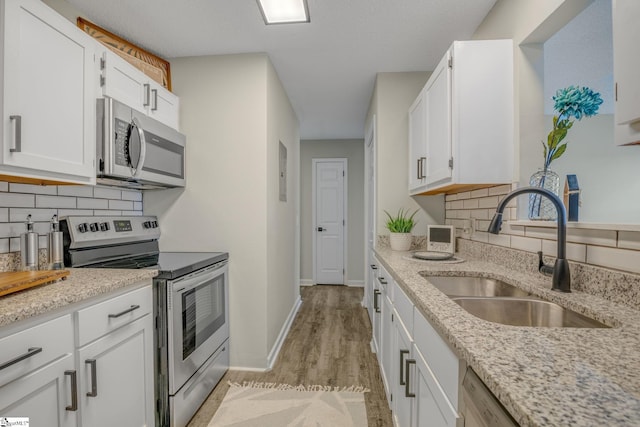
{"x": 328, "y": 344}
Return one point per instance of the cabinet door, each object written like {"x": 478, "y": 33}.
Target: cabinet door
{"x": 377, "y": 310}
{"x": 124, "y": 82}
{"x": 49, "y": 100}
{"x": 164, "y": 106}
{"x": 402, "y": 404}
{"x": 116, "y": 377}
{"x": 42, "y": 395}
{"x": 626, "y": 34}
{"x": 438, "y": 123}
{"x": 387, "y": 343}
{"x": 417, "y": 143}
{"x": 431, "y": 407}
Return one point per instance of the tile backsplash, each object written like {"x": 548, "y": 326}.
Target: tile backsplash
{"x": 43, "y": 201}
{"x": 612, "y": 246}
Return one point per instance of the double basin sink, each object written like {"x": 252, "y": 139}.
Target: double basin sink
{"x": 496, "y": 301}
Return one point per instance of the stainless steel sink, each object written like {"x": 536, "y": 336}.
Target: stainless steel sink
{"x": 458, "y": 286}
{"x": 525, "y": 312}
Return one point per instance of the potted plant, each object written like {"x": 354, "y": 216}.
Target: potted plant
{"x": 400, "y": 227}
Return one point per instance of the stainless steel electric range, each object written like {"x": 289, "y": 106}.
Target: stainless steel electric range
{"x": 191, "y": 299}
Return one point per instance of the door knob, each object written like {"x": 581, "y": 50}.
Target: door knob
{"x": 320, "y": 229}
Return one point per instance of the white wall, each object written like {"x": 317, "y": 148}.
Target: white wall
{"x": 393, "y": 95}
{"x": 353, "y": 151}
{"x": 282, "y": 229}
{"x": 224, "y": 205}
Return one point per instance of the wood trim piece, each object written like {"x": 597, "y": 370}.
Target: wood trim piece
{"x": 456, "y": 188}
{"x": 153, "y": 66}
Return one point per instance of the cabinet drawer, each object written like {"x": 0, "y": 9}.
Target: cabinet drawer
{"x": 404, "y": 308}
{"x": 441, "y": 359}
{"x": 104, "y": 317}
{"x": 35, "y": 347}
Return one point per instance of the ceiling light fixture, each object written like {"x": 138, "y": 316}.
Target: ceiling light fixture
{"x": 284, "y": 11}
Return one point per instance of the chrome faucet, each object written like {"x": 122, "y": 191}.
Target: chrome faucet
{"x": 561, "y": 281}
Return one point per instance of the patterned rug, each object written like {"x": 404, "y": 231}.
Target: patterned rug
{"x": 280, "y": 405}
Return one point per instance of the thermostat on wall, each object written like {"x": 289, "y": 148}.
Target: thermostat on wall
{"x": 441, "y": 238}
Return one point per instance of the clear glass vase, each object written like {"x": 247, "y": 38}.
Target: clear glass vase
{"x": 541, "y": 208}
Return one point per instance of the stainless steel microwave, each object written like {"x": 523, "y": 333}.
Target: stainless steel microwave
{"x": 136, "y": 151}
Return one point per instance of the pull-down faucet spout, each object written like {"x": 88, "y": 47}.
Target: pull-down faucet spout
{"x": 561, "y": 281}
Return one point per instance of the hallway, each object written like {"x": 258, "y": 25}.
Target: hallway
{"x": 328, "y": 344}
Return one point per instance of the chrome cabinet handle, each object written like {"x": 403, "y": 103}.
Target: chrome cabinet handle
{"x": 402, "y": 376}
{"x": 74, "y": 391}
{"x": 31, "y": 351}
{"x": 94, "y": 380}
{"x": 418, "y": 168}
{"x": 122, "y": 313}
{"x": 155, "y": 99}
{"x": 18, "y": 134}
{"x": 407, "y": 386}
{"x": 147, "y": 96}
{"x": 376, "y": 307}
{"x": 382, "y": 280}
{"x": 374, "y": 267}
{"x": 422, "y": 162}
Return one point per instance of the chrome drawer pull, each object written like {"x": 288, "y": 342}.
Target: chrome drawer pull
{"x": 407, "y": 386}
{"x": 94, "y": 380}
{"x": 402, "y": 376}
{"x": 147, "y": 96}
{"x": 376, "y": 305}
{"x": 122, "y": 313}
{"x": 18, "y": 134}
{"x": 31, "y": 351}
{"x": 74, "y": 391}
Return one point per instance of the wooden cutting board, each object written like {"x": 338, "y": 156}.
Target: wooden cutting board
{"x": 14, "y": 281}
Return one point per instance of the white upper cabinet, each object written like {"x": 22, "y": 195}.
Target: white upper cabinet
{"x": 626, "y": 34}
{"x": 124, "y": 82}
{"x": 48, "y": 107}
{"x": 417, "y": 146}
{"x": 468, "y": 105}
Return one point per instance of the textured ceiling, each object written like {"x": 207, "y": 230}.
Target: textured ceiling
{"x": 327, "y": 67}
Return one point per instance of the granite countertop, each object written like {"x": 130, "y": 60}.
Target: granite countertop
{"x": 543, "y": 376}
{"x": 81, "y": 284}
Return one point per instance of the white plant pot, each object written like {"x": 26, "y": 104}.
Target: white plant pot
{"x": 400, "y": 241}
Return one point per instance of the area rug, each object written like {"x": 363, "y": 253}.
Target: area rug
{"x": 279, "y": 405}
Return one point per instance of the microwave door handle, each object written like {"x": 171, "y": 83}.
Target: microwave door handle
{"x": 137, "y": 168}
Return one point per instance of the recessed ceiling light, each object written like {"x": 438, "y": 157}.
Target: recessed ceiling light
{"x": 284, "y": 11}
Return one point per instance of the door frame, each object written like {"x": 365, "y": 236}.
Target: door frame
{"x": 370, "y": 194}
{"x": 345, "y": 210}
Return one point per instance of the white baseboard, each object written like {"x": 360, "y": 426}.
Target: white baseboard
{"x": 244, "y": 368}
{"x": 273, "y": 354}
{"x": 351, "y": 283}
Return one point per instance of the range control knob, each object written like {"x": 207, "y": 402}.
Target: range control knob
{"x": 154, "y": 224}
{"x": 104, "y": 226}
{"x": 94, "y": 226}
{"x": 83, "y": 227}
{"x": 146, "y": 224}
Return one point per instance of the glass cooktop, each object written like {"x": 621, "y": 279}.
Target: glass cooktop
{"x": 170, "y": 265}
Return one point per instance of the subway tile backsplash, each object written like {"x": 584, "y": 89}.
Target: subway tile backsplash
{"x": 610, "y": 247}
{"x": 43, "y": 201}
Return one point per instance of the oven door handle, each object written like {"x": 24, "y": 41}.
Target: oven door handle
{"x": 183, "y": 285}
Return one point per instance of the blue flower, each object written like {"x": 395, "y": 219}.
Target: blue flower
{"x": 571, "y": 102}
{"x": 576, "y": 102}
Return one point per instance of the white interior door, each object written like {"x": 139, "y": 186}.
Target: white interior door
{"x": 329, "y": 220}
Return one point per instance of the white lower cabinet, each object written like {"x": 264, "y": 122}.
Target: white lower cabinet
{"x": 52, "y": 375}
{"x": 385, "y": 354}
{"x": 402, "y": 401}
{"x": 421, "y": 374}
{"x": 431, "y": 407}
{"x": 38, "y": 379}
{"x": 116, "y": 377}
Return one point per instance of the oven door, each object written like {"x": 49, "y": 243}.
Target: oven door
{"x": 198, "y": 321}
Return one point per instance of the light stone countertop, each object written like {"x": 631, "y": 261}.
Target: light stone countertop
{"x": 80, "y": 285}
{"x": 543, "y": 376}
